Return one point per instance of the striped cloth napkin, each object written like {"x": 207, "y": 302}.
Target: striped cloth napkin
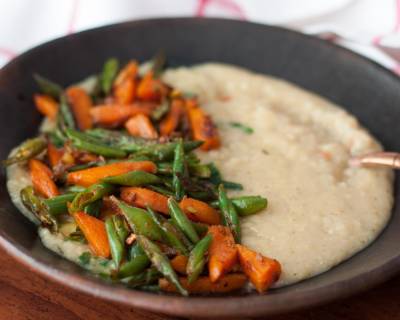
{"x": 361, "y": 25}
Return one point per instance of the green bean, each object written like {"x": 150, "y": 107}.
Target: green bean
{"x": 65, "y": 113}
{"x": 85, "y": 142}
{"x": 176, "y": 230}
{"x": 136, "y": 250}
{"x": 134, "y": 266}
{"x": 117, "y": 247}
{"x": 93, "y": 208}
{"x": 110, "y": 70}
{"x": 35, "y": 205}
{"x": 121, "y": 227}
{"x": 216, "y": 179}
{"x": 58, "y": 204}
{"x": 160, "y": 262}
{"x": 200, "y": 228}
{"x": 230, "y": 217}
{"x": 118, "y": 139}
{"x": 140, "y": 221}
{"x": 47, "y": 86}
{"x": 178, "y": 170}
{"x": 164, "y": 168}
{"x": 88, "y": 165}
{"x": 182, "y": 220}
{"x": 197, "y": 258}
{"x": 200, "y": 170}
{"x": 56, "y": 137}
{"x": 75, "y": 189}
{"x": 134, "y": 179}
{"x": 161, "y": 190}
{"x": 147, "y": 277}
{"x": 27, "y": 150}
{"x": 91, "y": 194}
{"x": 145, "y": 147}
{"x": 246, "y": 205}
{"x": 171, "y": 238}
{"x": 232, "y": 185}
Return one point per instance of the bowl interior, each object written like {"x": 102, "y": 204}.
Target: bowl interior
{"x": 360, "y": 86}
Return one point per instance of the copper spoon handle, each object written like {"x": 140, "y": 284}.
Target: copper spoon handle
{"x": 377, "y": 159}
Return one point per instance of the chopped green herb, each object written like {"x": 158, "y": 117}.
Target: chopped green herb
{"x": 84, "y": 258}
{"x": 244, "y": 128}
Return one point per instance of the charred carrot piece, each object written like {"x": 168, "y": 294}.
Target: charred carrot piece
{"x": 95, "y": 233}
{"x": 227, "y": 283}
{"x": 54, "y": 154}
{"x": 90, "y": 176}
{"x": 81, "y": 104}
{"x": 202, "y": 126}
{"x": 125, "y": 84}
{"x": 199, "y": 211}
{"x": 262, "y": 271}
{"x": 179, "y": 263}
{"x": 129, "y": 71}
{"x": 169, "y": 124}
{"x": 116, "y": 114}
{"x": 150, "y": 89}
{"x": 125, "y": 92}
{"x": 46, "y": 105}
{"x": 141, "y": 126}
{"x": 144, "y": 198}
{"x": 41, "y": 177}
{"x": 222, "y": 252}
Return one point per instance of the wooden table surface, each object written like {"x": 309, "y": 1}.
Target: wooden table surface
{"x": 28, "y": 296}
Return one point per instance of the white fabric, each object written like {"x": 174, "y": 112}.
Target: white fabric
{"x": 361, "y": 24}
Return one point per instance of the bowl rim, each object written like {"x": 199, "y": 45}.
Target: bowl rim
{"x": 249, "y": 305}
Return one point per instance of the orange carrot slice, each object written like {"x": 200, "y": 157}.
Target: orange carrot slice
{"x": 222, "y": 252}
{"x": 125, "y": 92}
{"x": 81, "y": 104}
{"x": 227, "y": 283}
{"x": 150, "y": 89}
{"x": 179, "y": 263}
{"x": 90, "y": 176}
{"x": 54, "y": 154}
{"x": 41, "y": 177}
{"x": 142, "y": 198}
{"x": 262, "y": 271}
{"x": 46, "y": 105}
{"x": 202, "y": 126}
{"x": 125, "y": 84}
{"x": 199, "y": 211}
{"x": 141, "y": 126}
{"x": 169, "y": 124}
{"x": 95, "y": 233}
{"x": 129, "y": 71}
{"x": 116, "y": 114}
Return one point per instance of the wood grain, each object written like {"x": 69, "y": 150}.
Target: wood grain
{"x": 28, "y": 296}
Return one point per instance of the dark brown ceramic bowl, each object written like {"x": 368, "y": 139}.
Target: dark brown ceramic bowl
{"x": 361, "y": 86}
